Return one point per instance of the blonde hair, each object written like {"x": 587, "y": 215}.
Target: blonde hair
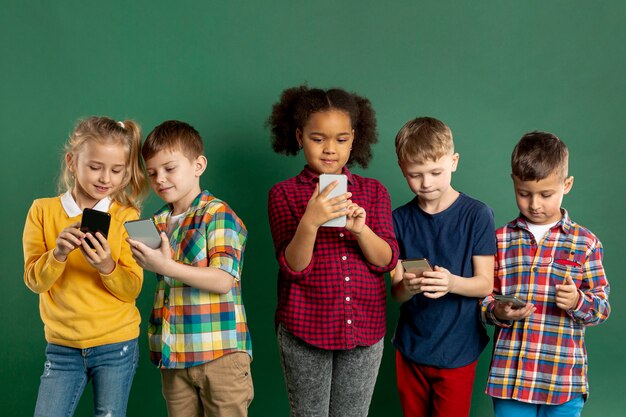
{"x": 423, "y": 139}
{"x": 102, "y": 129}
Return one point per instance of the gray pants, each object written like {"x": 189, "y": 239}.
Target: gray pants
{"x": 328, "y": 383}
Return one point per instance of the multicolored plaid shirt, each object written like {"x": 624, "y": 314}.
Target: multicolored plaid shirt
{"x": 543, "y": 359}
{"x": 338, "y": 300}
{"x": 189, "y": 326}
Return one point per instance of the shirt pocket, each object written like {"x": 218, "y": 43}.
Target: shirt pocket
{"x": 192, "y": 248}
{"x": 567, "y": 263}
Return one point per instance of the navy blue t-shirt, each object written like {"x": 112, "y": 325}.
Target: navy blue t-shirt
{"x": 444, "y": 332}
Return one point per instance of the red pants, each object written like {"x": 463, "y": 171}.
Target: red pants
{"x": 429, "y": 391}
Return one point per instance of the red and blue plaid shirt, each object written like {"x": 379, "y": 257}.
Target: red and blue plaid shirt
{"x": 543, "y": 359}
{"x": 338, "y": 300}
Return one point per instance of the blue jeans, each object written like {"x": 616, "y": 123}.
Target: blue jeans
{"x": 111, "y": 369}
{"x": 513, "y": 408}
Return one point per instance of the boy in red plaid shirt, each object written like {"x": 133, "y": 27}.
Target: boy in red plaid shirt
{"x": 554, "y": 265}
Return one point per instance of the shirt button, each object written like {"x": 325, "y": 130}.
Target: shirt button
{"x": 347, "y": 279}
{"x": 348, "y": 299}
{"x": 343, "y": 258}
{"x": 534, "y": 269}
{"x": 349, "y": 321}
{"x": 340, "y": 234}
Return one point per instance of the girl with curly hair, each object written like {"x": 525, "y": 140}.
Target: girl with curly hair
{"x": 330, "y": 318}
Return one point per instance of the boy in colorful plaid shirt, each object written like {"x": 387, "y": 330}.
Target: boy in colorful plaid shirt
{"x": 197, "y": 331}
{"x": 554, "y": 265}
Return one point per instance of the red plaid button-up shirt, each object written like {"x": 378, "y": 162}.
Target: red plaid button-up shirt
{"x": 338, "y": 300}
{"x": 542, "y": 359}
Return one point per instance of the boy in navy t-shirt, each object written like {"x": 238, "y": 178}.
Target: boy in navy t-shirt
{"x": 439, "y": 334}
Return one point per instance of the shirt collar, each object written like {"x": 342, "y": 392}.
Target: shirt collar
{"x": 72, "y": 209}
{"x": 309, "y": 176}
{"x": 565, "y": 223}
{"x": 200, "y": 201}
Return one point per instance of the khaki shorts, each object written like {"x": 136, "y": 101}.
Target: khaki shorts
{"x": 222, "y": 387}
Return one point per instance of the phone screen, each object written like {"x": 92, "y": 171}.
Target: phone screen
{"x": 341, "y": 188}
{"x": 94, "y": 221}
{"x": 144, "y": 231}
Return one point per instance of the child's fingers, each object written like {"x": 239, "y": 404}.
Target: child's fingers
{"x": 340, "y": 198}
{"x": 326, "y": 191}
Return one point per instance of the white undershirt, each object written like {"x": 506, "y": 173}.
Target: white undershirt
{"x": 539, "y": 231}
{"x": 172, "y": 223}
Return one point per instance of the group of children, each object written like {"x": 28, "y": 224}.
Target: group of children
{"x": 330, "y": 317}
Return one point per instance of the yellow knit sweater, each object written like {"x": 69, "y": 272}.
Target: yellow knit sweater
{"x": 80, "y": 307}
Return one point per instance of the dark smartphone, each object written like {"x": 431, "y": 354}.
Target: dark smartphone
{"x": 515, "y": 302}
{"x": 95, "y": 221}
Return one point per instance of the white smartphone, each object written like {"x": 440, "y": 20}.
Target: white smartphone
{"x": 341, "y": 188}
{"x": 144, "y": 231}
{"x": 416, "y": 266}
{"x": 515, "y": 302}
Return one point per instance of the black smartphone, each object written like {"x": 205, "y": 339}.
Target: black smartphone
{"x": 144, "y": 231}
{"x": 95, "y": 221}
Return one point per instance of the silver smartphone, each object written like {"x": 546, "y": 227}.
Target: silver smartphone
{"x": 144, "y": 231}
{"x": 416, "y": 266}
{"x": 515, "y": 302}
{"x": 341, "y": 188}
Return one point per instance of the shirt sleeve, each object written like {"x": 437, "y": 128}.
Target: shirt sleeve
{"x": 125, "y": 281}
{"x": 41, "y": 268}
{"x": 485, "y": 232}
{"x": 226, "y": 241}
{"x": 381, "y": 222}
{"x": 488, "y": 303}
{"x": 593, "y": 305}
{"x": 283, "y": 225}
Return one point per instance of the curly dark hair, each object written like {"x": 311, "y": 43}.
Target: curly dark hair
{"x": 297, "y": 104}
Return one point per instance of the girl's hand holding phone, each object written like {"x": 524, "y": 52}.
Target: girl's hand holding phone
{"x": 355, "y": 219}
{"x": 69, "y": 239}
{"x": 99, "y": 253}
{"x": 320, "y": 209}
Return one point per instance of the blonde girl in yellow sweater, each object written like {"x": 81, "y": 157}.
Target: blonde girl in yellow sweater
{"x": 87, "y": 296}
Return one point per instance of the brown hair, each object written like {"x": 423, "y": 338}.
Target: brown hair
{"x": 423, "y": 139}
{"x": 103, "y": 129}
{"x": 537, "y": 155}
{"x": 173, "y": 135}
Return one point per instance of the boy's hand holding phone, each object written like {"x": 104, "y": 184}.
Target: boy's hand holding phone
{"x": 412, "y": 274}
{"x": 437, "y": 283}
{"x": 507, "y": 311}
{"x": 154, "y": 260}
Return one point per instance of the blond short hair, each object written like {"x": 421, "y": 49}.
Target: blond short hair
{"x": 423, "y": 139}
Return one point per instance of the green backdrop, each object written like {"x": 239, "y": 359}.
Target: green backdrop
{"x": 492, "y": 70}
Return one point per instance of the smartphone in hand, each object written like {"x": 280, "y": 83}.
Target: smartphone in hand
{"x": 94, "y": 221}
{"x": 144, "y": 231}
{"x": 505, "y": 299}
{"x": 416, "y": 266}
{"x": 341, "y": 188}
